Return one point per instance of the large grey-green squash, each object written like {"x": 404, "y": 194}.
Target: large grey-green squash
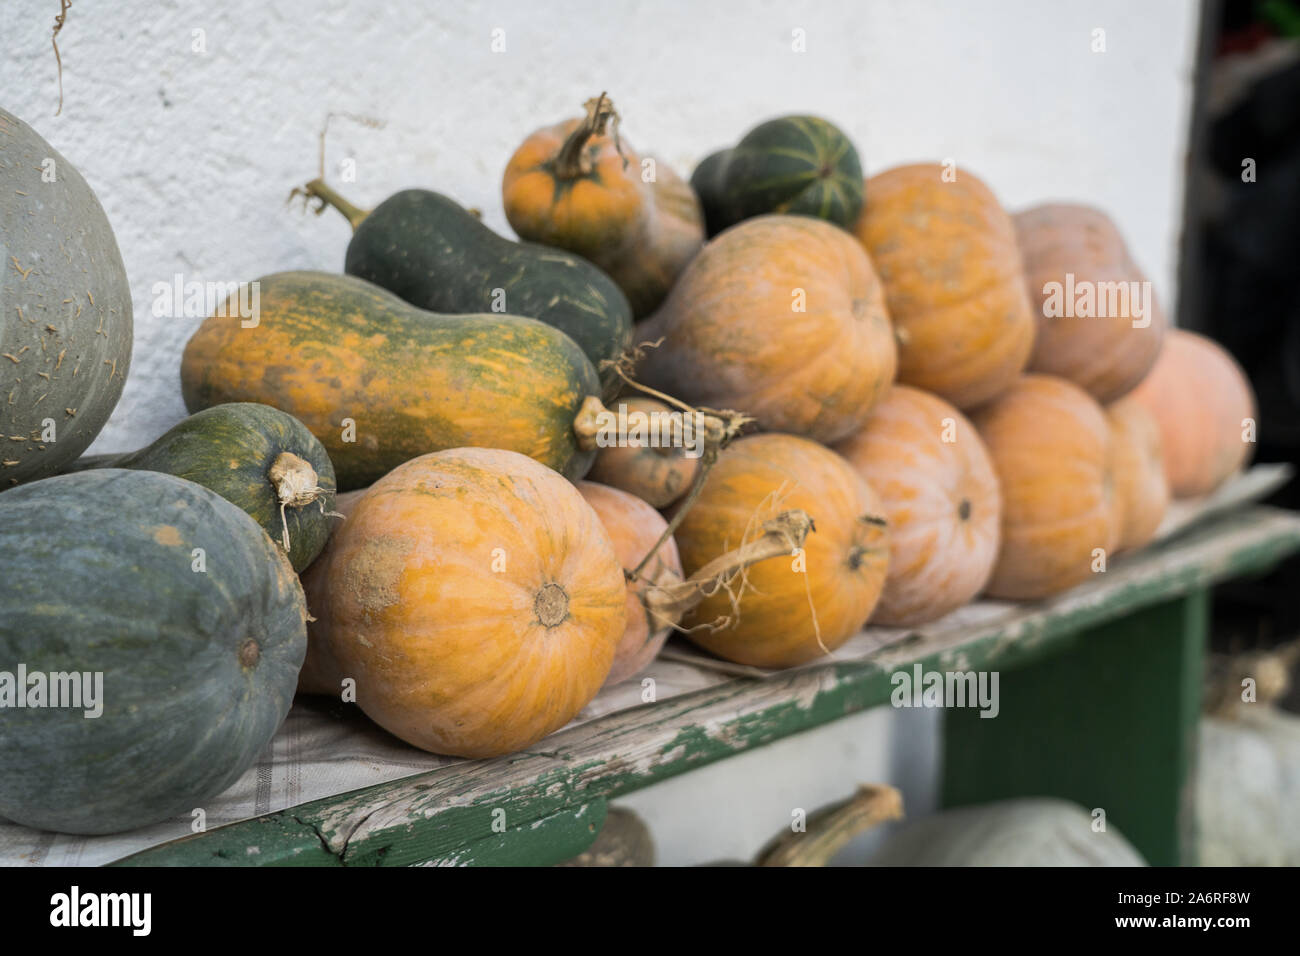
{"x": 1248, "y": 788}
{"x": 1025, "y": 832}
{"x": 191, "y": 614}
{"x": 65, "y": 309}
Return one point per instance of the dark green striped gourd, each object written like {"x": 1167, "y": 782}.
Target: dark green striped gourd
{"x": 802, "y": 165}
{"x": 255, "y": 456}
{"x": 189, "y": 614}
{"x": 435, "y": 254}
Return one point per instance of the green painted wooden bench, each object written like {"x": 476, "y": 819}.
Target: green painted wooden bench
{"x": 1099, "y": 703}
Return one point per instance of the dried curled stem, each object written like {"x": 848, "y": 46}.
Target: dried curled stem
{"x": 59, "y": 19}
{"x": 719, "y": 428}
{"x": 831, "y": 827}
{"x": 318, "y": 189}
{"x": 296, "y": 485}
{"x": 327, "y": 197}
{"x": 572, "y": 161}
{"x": 668, "y": 602}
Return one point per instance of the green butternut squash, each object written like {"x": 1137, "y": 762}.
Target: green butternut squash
{"x": 380, "y": 382}
{"x": 256, "y": 457}
{"x": 432, "y": 252}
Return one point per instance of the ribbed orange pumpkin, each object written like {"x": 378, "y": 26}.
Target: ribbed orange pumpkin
{"x": 578, "y": 187}
{"x": 941, "y": 497}
{"x": 1050, "y": 446}
{"x": 475, "y": 598}
{"x": 634, "y": 527}
{"x": 794, "y": 609}
{"x": 1205, "y": 408}
{"x": 782, "y": 318}
{"x": 947, "y": 255}
{"x": 657, "y": 473}
{"x": 1138, "y": 473}
{"x": 1087, "y": 294}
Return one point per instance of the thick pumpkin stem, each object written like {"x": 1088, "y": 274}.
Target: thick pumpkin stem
{"x": 667, "y": 603}
{"x": 571, "y": 161}
{"x": 718, "y": 427}
{"x": 296, "y": 485}
{"x": 326, "y": 196}
{"x": 721, "y": 426}
{"x": 831, "y": 827}
{"x": 587, "y": 423}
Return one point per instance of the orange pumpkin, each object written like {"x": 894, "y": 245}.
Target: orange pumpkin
{"x": 946, "y": 253}
{"x": 1205, "y": 409}
{"x": 1099, "y": 324}
{"x": 634, "y": 528}
{"x": 1050, "y": 446}
{"x": 658, "y": 594}
{"x": 646, "y": 464}
{"x": 794, "y": 609}
{"x": 941, "y": 497}
{"x": 780, "y": 317}
{"x": 579, "y": 187}
{"x": 475, "y": 598}
{"x": 1138, "y": 473}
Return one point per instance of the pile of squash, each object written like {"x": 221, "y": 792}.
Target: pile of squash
{"x": 877, "y": 418}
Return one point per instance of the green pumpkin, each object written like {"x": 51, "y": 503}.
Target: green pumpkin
{"x": 65, "y": 309}
{"x": 256, "y": 457}
{"x": 801, "y": 165}
{"x": 190, "y": 613}
{"x": 379, "y": 381}
{"x": 432, "y": 252}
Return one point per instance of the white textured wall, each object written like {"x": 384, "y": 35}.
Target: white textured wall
{"x": 193, "y": 154}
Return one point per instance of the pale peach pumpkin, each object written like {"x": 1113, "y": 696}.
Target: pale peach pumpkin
{"x": 1138, "y": 473}
{"x": 793, "y": 609}
{"x": 320, "y": 673}
{"x": 658, "y": 474}
{"x": 946, "y": 253}
{"x": 779, "y": 317}
{"x": 1205, "y": 409}
{"x": 1099, "y": 323}
{"x": 474, "y": 597}
{"x": 940, "y": 494}
{"x": 634, "y": 528}
{"x": 1050, "y": 446}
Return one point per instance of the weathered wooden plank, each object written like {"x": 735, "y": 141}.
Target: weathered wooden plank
{"x": 277, "y": 839}
{"x": 544, "y": 842}
{"x": 630, "y": 749}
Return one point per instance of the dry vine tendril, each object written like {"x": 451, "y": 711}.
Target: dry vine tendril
{"x": 59, "y": 19}
{"x": 312, "y": 190}
{"x": 721, "y": 427}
